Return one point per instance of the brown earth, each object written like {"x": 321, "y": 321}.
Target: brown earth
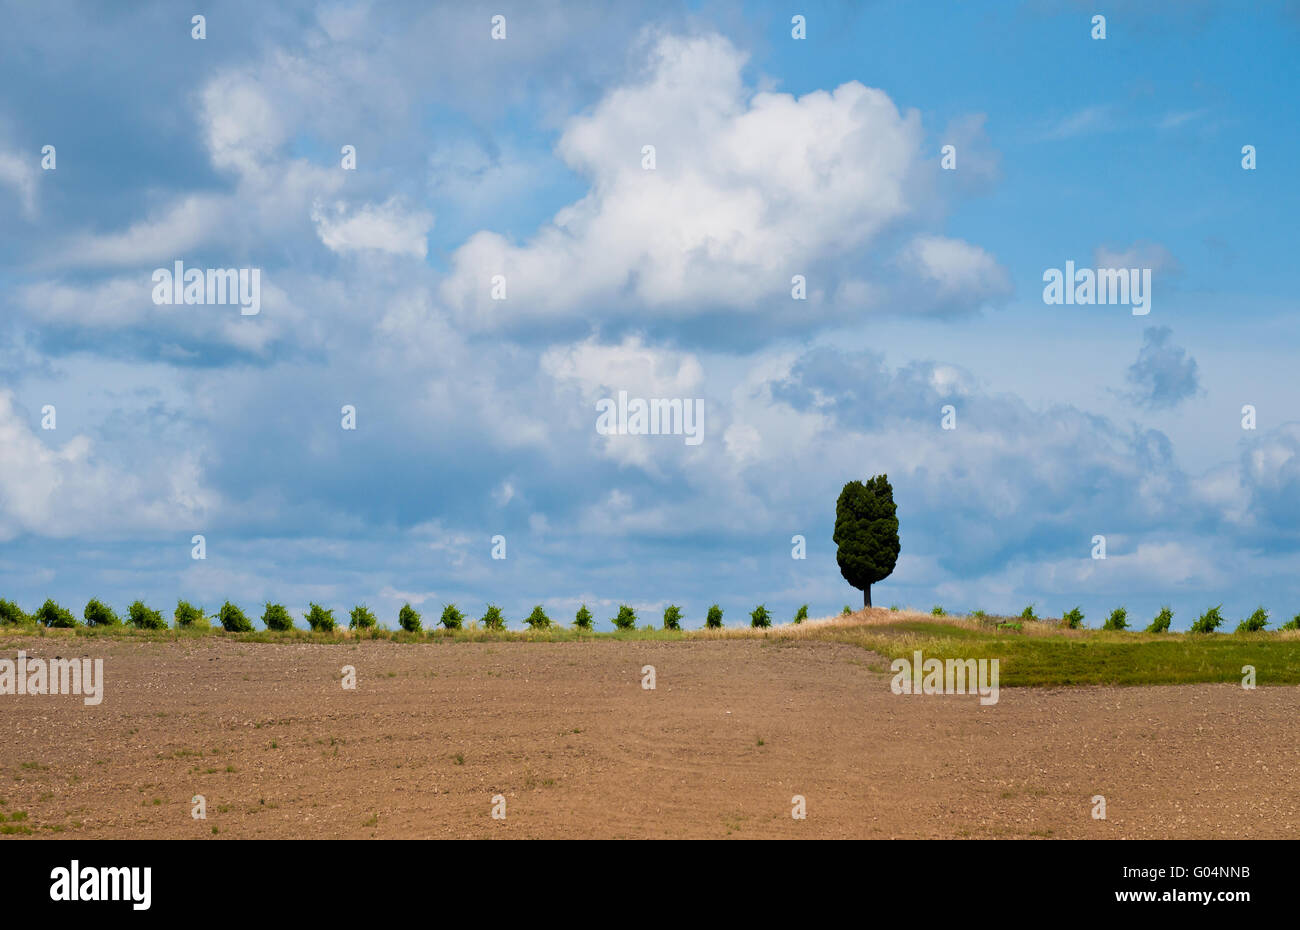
{"x": 735, "y": 728}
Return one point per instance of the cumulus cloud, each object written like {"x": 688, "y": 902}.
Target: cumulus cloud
{"x": 631, "y": 365}
{"x": 80, "y": 315}
{"x": 19, "y": 174}
{"x": 241, "y": 123}
{"x": 68, "y": 491}
{"x": 592, "y": 371}
{"x": 386, "y": 227}
{"x": 957, "y": 269}
{"x": 748, "y": 189}
{"x": 1163, "y": 375}
{"x": 1140, "y": 254}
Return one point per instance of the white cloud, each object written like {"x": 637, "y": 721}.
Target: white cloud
{"x": 385, "y": 227}
{"x": 19, "y": 173}
{"x": 631, "y": 365}
{"x": 242, "y": 126}
{"x": 1140, "y": 254}
{"x": 67, "y": 491}
{"x": 125, "y": 302}
{"x": 957, "y": 269}
{"x": 592, "y": 371}
{"x": 748, "y": 189}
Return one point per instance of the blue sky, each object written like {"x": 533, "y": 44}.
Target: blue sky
{"x": 775, "y": 157}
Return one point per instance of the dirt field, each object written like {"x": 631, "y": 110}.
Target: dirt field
{"x": 267, "y": 734}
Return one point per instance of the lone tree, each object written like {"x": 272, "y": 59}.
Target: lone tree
{"x": 866, "y": 533}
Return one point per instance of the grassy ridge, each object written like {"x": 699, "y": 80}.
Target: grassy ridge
{"x": 1036, "y": 654}
{"x": 1041, "y": 655}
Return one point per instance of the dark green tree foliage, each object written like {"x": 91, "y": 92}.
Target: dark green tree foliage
{"x": 143, "y": 617}
{"x": 362, "y": 618}
{"x": 233, "y": 620}
{"x": 493, "y": 619}
{"x": 1118, "y": 620}
{"x": 760, "y": 617}
{"x": 673, "y": 617}
{"x": 866, "y": 533}
{"x": 1073, "y": 619}
{"x": 1162, "y": 621}
{"x": 277, "y": 618}
{"x": 52, "y": 615}
{"x": 801, "y": 614}
{"x": 714, "y": 619}
{"x": 626, "y": 619}
{"x": 320, "y": 619}
{"x": 12, "y": 614}
{"x": 452, "y": 618}
{"x": 97, "y": 613}
{"x": 1292, "y": 624}
{"x": 408, "y": 618}
{"x": 189, "y": 616}
{"x": 582, "y": 620}
{"x": 537, "y": 620}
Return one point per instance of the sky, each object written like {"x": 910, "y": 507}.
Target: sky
{"x": 516, "y": 168}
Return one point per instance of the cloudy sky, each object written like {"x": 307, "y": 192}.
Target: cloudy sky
{"x": 774, "y": 157}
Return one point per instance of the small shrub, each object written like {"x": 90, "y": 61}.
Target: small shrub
{"x": 1292, "y": 624}
{"x": 979, "y": 614}
{"x": 801, "y": 614}
{"x": 626, "y": 619}
{"x": 98, "y": 613}
{"x": 52, "y": 615}
{"x": 1162, "y": 621}
{"x": 1028, "y": 613}
{"x": 362, "y": 618}
{"x": 894, "y": 607}
{"x": 143, "y": 617}
{"x": 233, "y": 619}
{"x": 452, "y": 618}
{"x": 187, "y": 616}
{"x": 1072, "y": 619}
{"x": 937, "y": 611}
{"x": 713, "y": 620}
{"x": 13, "y": 615}
{"x": 1255, "y": 622}
{"x": 320, "y": 619}
{"x": 1009, "y": 625}
{"x": 277, "y": 618}
{"x": 846, "y": 611}
{"x": 582, "y": 619}
{"x": 1208, "y": 622}
{"x": 537, "y": 620}
{"x": 408, "y": 618}
{"x": 492, "y": 618}
{"x": 759, "y": 617}
{"x": 673, "y": 617}
{"x": 1118, "y": 620}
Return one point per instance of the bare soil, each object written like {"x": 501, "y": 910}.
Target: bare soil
{"x": 564, "y": 731}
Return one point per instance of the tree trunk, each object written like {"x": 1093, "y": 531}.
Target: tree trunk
{"x": 866, "y": 596}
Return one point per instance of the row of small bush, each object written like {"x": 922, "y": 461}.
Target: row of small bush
{"x": 1118, "y": 619}
{"x": 320, "y": 619}
{"x": 1207, "y": 622}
